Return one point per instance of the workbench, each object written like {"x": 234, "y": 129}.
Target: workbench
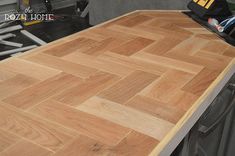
{"x": 132, "y": 86}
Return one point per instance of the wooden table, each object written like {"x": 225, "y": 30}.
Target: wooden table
{"x": 132, "y": 86}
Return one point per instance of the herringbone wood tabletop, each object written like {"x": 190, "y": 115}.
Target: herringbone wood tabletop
{"x": 115, "y": 89}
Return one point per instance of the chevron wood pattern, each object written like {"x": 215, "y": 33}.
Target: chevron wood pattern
{"x": 116, "y": 89}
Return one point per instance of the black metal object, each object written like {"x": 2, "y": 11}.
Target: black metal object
{"x": 48, "y": 5}
{"x": 229, "y": 38}
{"x": 210, "y": 8}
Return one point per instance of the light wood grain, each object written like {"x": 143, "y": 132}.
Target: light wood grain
{"x": 214, "y": 57}
{"x": 32, "y": 128}
{"x": 128, "y": 117}
{"x": 216, "y": 47}
{"x": 183, "y": 100}
{"x": 5, "y": 74}
{"x": 163, "y": 45}
{"x": 128, "y": 87}
{"x": 25, "y": 148}
{"x": 84, "y": 146}
{"x": 167, "y": 85}
{"x": 134, "y": 85}
{"x": 133, "y": 63}
{"x": 89, "y": 125}
{"x": 201, "y": 61}
{"x": 188, "y": 47}
{"x": 62, "y": 65}
{"x": 104, "y": 45}
{"x": 68, "y": 47}
{"x": 25, "y": 67}
{"x": 41, "y": 91}
{"x": 16, "y": 84}
{"x": 7, "y": 139}
{"x": 168, "y": 62}
{"x": 86, "y": 89}
{"x": 132, "y": 46}
{"x": 133, "y": 144}
{"x": 136, "y": 32}
{"x": 156, "y": 108}
{"x": 230, "y": 52}
{"x": 133, "y": 21}
{"x": 100, "y": 64}
{"x": 200, "y": 82}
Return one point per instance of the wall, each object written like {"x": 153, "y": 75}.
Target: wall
{"x": 103, "y": 10}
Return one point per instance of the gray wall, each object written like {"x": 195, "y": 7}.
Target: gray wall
{"x": 103, "y": 10}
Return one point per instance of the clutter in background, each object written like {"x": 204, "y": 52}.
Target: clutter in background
{"x": 5, "y": 33}
{"x": 223, "y": 26}
{"x": 210, "y": 8}
{"x": 216, "y": 15}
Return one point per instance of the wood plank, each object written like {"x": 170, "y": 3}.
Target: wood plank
{"x": 201, "y": 32}
{"x": 86, "y": 89}
{"x": 135, "y": 144}
{"x": 104, "y": 45}
{"x": 68, "y": 47}
{"x": 207, "y": 36}
{"x": 126, "y": 116}
{"x": 62, "y": 65}
{"x": 210, "y": 64}
{"x": 163, "y": 45}
{"x": 167, "y": 85}
{"x": 92, "y": 36}
{"x": 25, "y": 148}
{"x": 230, "y": 52}
{"x": 168, "y": 62}
{"x": 214, "y": 57}
{"x": 6, "y": 140}
{"x": 5, "y": 74}
{"x": 156, "y": 108}
{"x": 132, "y": 46}
{"x": 160, "y": 21}
{"x": 217, "y": 47}
{"x": 201, "y": 81}
{"x": 99, "y": 64}
{"x": 161, "y": 32}
{"x": 107, "y": 33}
{"x": 14, "y": 85}
{"x": 86, "y": 124}
{"x": 84, "y": 146}
{"x": 173, "y": 27}
{"x": 188, "y": 47}
{"x": 134, "y": 64}
{"x": 41, "y": 91}
{"x": 131, "y": 22}
{"x": 28, "y": 68}
{"x": 183, "y": 100}
{"x": 128, "y": 87}
{"x": 135, "y": 32}
{"x": 35, "y": 129}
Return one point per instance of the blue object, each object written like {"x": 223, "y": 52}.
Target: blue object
{"x": 226, "y": 24}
